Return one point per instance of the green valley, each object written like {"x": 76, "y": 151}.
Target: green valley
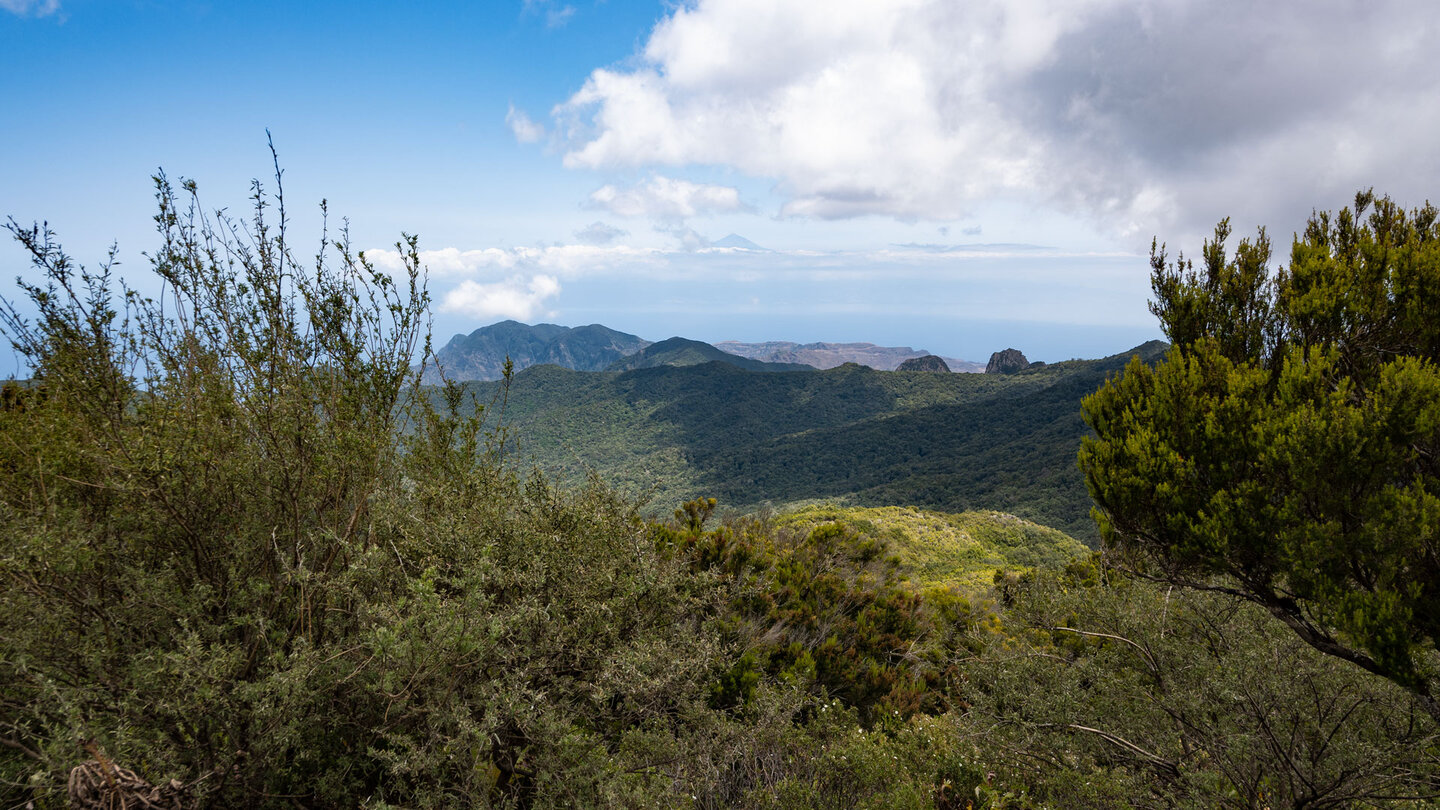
{"x": 952, "y": 442}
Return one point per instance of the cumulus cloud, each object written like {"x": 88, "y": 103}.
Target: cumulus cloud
{"x": 1140, "y": 115}
{"x": 31, "y": 8}
{"x": 599, "y": 233}
{"x": 515, "y": 297}
{"x": 668, "y": 199}
{"x": 525, "y": 129}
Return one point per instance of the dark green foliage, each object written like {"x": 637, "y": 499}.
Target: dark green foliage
{"x": 1288, "y": 444}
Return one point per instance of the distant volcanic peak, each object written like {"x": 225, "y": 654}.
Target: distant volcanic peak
{"x": 735, "y": 240}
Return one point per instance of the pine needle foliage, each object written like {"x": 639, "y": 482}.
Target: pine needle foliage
{"x": 1286, "y": 450}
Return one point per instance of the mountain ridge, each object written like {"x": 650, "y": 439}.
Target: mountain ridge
{"x": 679, "y": 351}
{"x": 481, "y": 355}
{"x": 824, "y": 355}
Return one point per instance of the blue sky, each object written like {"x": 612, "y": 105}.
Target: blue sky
{"x": 954, "y": 176}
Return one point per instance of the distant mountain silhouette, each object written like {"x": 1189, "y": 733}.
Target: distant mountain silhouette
{"x": 481, "y": 354}
{"x": 830, "y": 355}
{"x": 735, "y": 240}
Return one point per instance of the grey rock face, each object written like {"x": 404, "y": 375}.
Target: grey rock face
{"x": 1009, "y": 361}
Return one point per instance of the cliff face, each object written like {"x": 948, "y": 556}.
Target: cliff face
{"x": 927, "y": 363}
{"x": 1007, "y": 362}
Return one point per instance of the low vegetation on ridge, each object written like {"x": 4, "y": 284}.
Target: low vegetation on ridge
{"x": 942, "y": 549}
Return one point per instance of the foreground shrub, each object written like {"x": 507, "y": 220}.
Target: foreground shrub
{"x": 224, "y": 566}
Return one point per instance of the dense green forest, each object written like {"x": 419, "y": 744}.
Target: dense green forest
{"x": 249, "y": 562}
{"x": 953, "y": 442}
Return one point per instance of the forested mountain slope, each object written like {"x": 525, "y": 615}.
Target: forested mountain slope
{"x": 481, "y": 354}
{"x": 954, "y": 442}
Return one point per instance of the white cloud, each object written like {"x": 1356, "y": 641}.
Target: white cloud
{"x": 694, "y": 256}
{"x": 1139, "y": 115}
{"x": 668, "y": 199}
{"x": 526, "y": 130}
{"x": 599, "y": 233}
{"x": 515, "y": 297}
{"x": 31, "y": 8}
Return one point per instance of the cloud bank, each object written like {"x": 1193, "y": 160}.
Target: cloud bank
{"x": 666, "y": 198}
{"x": 450, "y": 263}
{"x": 1140, "y": 116}
{"x": 516, "y": 297}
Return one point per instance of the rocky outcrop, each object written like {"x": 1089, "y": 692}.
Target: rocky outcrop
{"x": 928, "y": 362}
{"x": 1009, "y": 361}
